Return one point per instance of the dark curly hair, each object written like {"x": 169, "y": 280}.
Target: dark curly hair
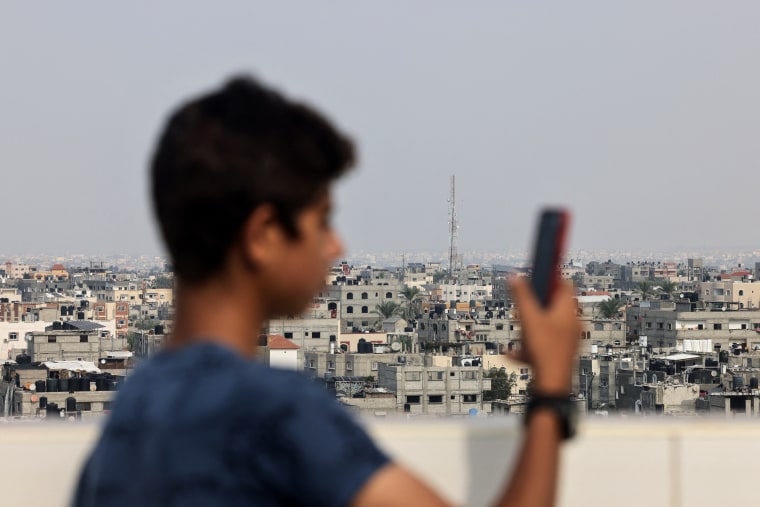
{"x": 227, "y": 152}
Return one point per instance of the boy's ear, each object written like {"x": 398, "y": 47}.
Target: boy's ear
{"x": 260, "y": 234}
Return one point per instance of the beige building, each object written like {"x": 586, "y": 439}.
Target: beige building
{"x": 435, "y": 390}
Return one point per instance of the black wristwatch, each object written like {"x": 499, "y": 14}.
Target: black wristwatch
{"x": 561, "y": 406}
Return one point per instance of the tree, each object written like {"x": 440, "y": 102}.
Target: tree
{"x": 386, "y": 310}
{"x": 501, "y": 384}
{"x": 610, "y": 308}
{"x": 411, "y": 302}
{"x": 668, "y": 287}
{"x": 645, "y": 288}
{"x": 439, "y": 276}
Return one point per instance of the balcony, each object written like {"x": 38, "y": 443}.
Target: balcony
{"x": 658, "y": 461}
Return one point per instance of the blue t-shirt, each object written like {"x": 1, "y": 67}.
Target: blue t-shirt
{"x": 203, "y": 426}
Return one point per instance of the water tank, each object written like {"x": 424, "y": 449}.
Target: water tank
{"x": 63, "y": 385}
{"x": 40, "y": 386}
{"x": 43, "y": 402}
{"x": 71, "y": 404}
{"x": 57, "y": 325}
{"x": 159, "y": 329}
{"x": 738, "y": 382}
{"x": 711, "y": 362}
{"x": 52, "y": 385}
{"x": 23, "y": 359}
{"x": 51, "y": 412}
{"x": 723, "y": 356}
{"x": 753, "y": 383}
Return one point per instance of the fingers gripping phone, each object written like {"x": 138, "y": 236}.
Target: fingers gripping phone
{"x": 549, "y": 247}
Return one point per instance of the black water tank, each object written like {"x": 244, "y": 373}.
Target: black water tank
{"x": 723, "y": 356}
{"x": 43, "y": 402}
{"x": 51, "y": 412}
{"x": 57, "y": 325}
{"x": 63, "y": 385}
{"x": 52, "y": 385}
{"x": 71, "y": 404}
{"x": 23, "y": 359}
{"x": 753, "y": 383}
{"x": 40, "y": 386}
{"x": 738, "y": 382}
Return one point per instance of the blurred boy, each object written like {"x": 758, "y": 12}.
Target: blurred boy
{"x": 241, "y": 184}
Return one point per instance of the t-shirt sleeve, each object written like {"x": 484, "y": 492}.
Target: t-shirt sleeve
{"x": 314, "y": 453}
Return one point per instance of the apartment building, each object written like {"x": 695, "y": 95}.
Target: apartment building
{"x": 435, "y": 390}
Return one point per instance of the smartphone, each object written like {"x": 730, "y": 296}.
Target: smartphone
{"x": 549, "y": 247}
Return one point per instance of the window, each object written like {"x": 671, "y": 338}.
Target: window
{"x": 350, "y": 323}
{"x": 365, "y": 295}
{"x": 413, "y": 400}
{"x": 469, "y": 375}
{"x": 365, "y": 309}
{"x": 288, "y": 335}
{"x": 373, "y": 366}
{"x": 469, "y": 398}
{"x": 524, "y": 371}
{"x": 717, "y": 326}
{"x": 388, "y": 295}
{"x": 84, "y": 406}
{"x": 349, "y": 366}
{"x": 13, "y": 336}
{"x": 604, "y": 381}
{"x": 741, "y": 292}
{"x": 435, "y": 375}
{"x": 121, "y": 308}
{"x": 83, "y": 339}
{"x": 499, "y": 327}
{"x": 649, "y": 325}
{"x": 330, "y": 365}
{"x": 435, "y": 399}
{"x": 120, "y": 322}
{"x": 316, "y": 334}
{"x": 413, "y": 376}
{"x": 311, "y": 364}
{"x": 365, "y": 323}
{"x": 349, "y": 309}
{"x": 51, "y": 339}
{"x": 453, "y": 374}
{"x": 660, "y": 325}
{"x": 350, "y": 295}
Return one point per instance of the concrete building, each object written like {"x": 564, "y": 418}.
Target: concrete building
{"x": 282, "y": 353}
{"x": 435, "y": 390}
{"x": 67, "y": 341}
{"x": 323, "y": 364}
{"x": 683, "y": 329}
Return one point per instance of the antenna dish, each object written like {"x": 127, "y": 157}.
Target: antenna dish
{"x": 395, "y": 346}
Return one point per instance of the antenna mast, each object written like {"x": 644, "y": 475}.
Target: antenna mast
{"x": 453, "y": 226}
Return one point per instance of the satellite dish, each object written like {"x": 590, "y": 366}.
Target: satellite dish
{"x": 32, "y": 387}
{"x": 395, "y": 346}
{"x": 102, "y": 361}
{"x": 713, "y": 373}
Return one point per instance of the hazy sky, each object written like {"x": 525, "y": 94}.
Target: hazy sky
{"x": 642, "y": 117}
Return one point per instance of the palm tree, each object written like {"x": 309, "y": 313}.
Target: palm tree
{"x": 386, "y": 310}
{"x": 646, "y": 289}
{"x": 610, "y": 308}
{"x": 411, "y": 301}
{"x": 668, "y": 287}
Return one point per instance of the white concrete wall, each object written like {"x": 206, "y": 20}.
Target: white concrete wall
{"x": 657, "y": 461}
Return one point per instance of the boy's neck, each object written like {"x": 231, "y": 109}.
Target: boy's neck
{"x": 219, "y": 311}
